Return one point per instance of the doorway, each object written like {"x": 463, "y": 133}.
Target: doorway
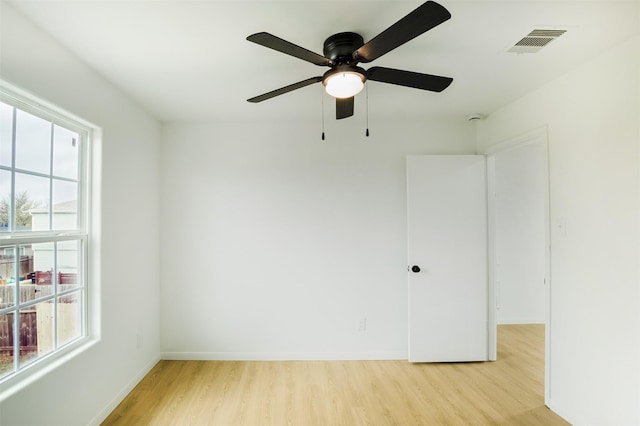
{"x": 518, "y": 188}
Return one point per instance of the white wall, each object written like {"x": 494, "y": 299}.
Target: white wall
{"x": 275, "y": 243}
{"x": 520, "y": 234}
{"x": 594, "y": 142}
{"x": 84, "y": 389}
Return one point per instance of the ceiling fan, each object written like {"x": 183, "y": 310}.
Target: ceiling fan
{"x": 343, "y": 52}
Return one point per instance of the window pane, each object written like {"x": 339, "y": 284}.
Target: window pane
{"x": 33, "y": 143}
{"x": 68, "y": 257}
{"x": 36, "y": 331}
{"x": 41, "y": 284}
{"x": 30, "y": 291}
{"x": 25, "y": 274}
{"x": 65, "y": 205}
{"x": 6, "y": 130}
{"x": 69, "y": 318}
{"x": 6, "y": 344}
{"x": 65, "y": 152}
{"x": 7, "y": 276}
{"x": 32, "y": 203}
{"x": 5, "y": 199}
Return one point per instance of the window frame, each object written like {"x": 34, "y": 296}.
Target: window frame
{"x": 61, "y": 352}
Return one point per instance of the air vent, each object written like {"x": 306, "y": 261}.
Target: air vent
{"x": 536, "y": 40}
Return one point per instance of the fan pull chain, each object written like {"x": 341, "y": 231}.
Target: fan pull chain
{"x": 322, "y": 100}
{"x": 367, "y": 110}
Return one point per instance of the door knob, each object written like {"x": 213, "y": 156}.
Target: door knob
{"x": 415, "y": 268}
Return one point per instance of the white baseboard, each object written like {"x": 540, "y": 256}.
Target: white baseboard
{"x": 284, "y": 356}
{"x": 507, "y": 321}
{"x": 104, "y": 413}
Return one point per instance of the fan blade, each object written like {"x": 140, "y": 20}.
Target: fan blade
{"x": 276, "y": 43}
{"x": 285, "y": 89}
{"x": 434, "y": 83}
{"x": 421, "y": 20}
{"x": 344, "y": 107}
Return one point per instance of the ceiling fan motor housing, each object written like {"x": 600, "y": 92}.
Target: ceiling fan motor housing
{"x": 339, "y": 47}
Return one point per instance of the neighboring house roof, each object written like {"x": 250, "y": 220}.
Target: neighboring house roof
{"x": 65, "y": 207}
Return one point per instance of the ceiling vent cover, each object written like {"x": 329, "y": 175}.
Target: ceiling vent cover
{"x": 536, "y": 40}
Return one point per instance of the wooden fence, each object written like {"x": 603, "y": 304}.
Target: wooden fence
{"x": 28, "y": 333}
{"x": 7, "y": 267}
{"x": 29, "y": 318}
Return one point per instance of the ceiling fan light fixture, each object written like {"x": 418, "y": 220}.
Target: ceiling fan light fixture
{"x": 344, "y": 84}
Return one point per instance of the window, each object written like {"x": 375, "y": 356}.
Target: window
{"x": 43, "y": 233}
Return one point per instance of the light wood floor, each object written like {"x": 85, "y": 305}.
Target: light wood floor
{"x": 507, "y": 392}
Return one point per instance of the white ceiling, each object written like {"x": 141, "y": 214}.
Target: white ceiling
{"x": 189, "y": 61}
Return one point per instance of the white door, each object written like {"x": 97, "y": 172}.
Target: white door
{"x": 448, "y": 286}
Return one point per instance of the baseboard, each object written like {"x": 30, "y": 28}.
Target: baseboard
{"x": 284, "y": 356}
{"x": 104, "y": 413}
{"x": 519, "y": 321}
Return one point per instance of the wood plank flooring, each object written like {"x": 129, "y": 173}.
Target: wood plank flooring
{"x": 351, "y": 393}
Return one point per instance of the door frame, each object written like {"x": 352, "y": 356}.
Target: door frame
{"x": 538, "y": 135}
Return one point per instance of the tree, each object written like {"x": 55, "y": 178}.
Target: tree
{"x": 23, "y": 206}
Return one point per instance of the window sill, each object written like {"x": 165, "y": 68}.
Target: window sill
{"x": 39, "y": 369}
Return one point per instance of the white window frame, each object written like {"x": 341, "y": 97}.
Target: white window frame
{"x": 89, "y": 334}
